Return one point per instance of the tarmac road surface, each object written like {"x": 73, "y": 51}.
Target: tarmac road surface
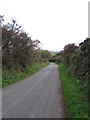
{"x": 37, "y": 96}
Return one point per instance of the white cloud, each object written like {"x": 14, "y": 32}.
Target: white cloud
{"x": 54, "y": 22}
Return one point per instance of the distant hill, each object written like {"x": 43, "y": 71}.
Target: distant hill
{"x": 53, "y": 53}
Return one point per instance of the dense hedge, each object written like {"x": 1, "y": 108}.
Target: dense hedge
{"x": 19, "y": 51}
{"x": 76, "y": 59}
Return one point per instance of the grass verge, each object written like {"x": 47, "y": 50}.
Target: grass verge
{"x": 76, "y": 103}
{"x": 12, "y": 76}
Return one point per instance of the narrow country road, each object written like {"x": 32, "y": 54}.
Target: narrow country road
{"x": 37, "y": 96}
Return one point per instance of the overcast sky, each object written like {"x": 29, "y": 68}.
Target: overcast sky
{"x": 54, "y": 22}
